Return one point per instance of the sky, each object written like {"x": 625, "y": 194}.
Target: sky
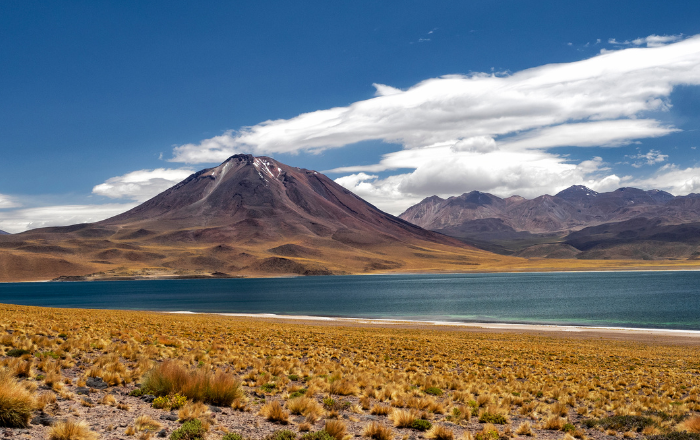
{"x": 105, "y": 104}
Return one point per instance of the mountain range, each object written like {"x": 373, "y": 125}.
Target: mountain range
{"x": 249, "y": 216}
{"x": 627, "y": 223}
{"x": 3, "y": 232}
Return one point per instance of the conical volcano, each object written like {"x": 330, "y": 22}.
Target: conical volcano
{"x": 249, "y": 216}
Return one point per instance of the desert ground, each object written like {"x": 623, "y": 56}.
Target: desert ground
{"x": 87, "y": 374}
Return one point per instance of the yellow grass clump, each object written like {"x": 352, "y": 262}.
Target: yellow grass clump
{"x": 16, "y": 403}
{"x": 72, "y": 430}
{"x": 274, "y": 412}
{"x": 376, "y": 431}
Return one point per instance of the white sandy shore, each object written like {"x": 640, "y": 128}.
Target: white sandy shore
{"x": 506, "y": 327}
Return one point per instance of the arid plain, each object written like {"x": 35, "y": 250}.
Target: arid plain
{"x": 119, "y": 374}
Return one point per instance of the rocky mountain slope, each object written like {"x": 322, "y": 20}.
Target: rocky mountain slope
{"x": 4, "y": 233}
{"x": 540, "y": 227}
{"x": 247, "y": 216}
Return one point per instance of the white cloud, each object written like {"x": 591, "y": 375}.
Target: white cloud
{"x": 478, "y": 144}
{"x": 8, "y": 202}
{"x": 650, "y": 158}
{"x": 650, "y": 41}
{"x": 141, "y": 185}
{"x": 18, "y": 220}
{"x": 618, "y": 85}
{"x": 672, "y": 178}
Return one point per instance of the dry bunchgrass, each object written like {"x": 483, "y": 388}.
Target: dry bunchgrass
{"x": 304, "y": 406}
{"x": 440, "y": 432}
{"x": 16, "y": 403}
{"x": 402, "y": 419}
{"x": 380, "y": 410}
{"x": 525, "y": 429}
{"x": 691, "y": 424}
{"x": 274, "y": 412}
{"x": 195, "y": 410}
{"x": 72, "y": 430}
{"x": 146, "y": 423}
{"x": 554, "y": 423}
{"x": 169, "y": 377}
{"x": 336, "y": 428}
{"x": 377, "y": 431}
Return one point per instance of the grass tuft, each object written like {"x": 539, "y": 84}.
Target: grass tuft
{"x": 16, "y": 403}
{"x": 71, "y": 430}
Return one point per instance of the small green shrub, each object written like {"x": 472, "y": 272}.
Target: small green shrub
{"x": 268, "y": 387}
{"x": 568, "y": 427}
{"x": 473, "y": 405}
{"x": 496, "y": 419}
{"x": 138, "y": 392}
{"x": 435, "y": 391}
{"x": 171, "y": 401}
{"x": 190, "y": 430}
{"x": 323, "y": 435}
{"x": 421, "y": 425}
{"x": 293, "y": 377}
{"x": 329, "y": 403}
{"x": 675, "y": 435}
{"x": 621, "y": 423}
{"x": 17, "y": 352}
{"x": 283, "y": 434}
{"x": 488, "y": 435}
{"x": 297, "y": 393}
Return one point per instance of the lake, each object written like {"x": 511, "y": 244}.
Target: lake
{"x": 666, "y": 300}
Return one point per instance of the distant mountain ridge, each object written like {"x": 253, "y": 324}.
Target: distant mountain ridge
{"x": 514, "y": 224}
{"x": 3, "y": 232}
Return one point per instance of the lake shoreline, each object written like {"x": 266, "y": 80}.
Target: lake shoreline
{"x": 647, "y": 335}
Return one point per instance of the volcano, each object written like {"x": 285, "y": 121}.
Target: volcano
{"x": 249, "y": 216}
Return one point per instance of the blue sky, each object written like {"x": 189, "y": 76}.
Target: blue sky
{"x": 104, "y": 104}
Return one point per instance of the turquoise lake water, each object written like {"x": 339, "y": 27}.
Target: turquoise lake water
{"x": 667, "y": 300}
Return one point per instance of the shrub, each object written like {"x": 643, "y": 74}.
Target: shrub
{"x": 421, "y": 425}
{"x": 283, "y": 434}
{"x": 497, "y": 419}
{"x": 71, "y": 430}
{"x": 378, "y": 432}
{"x": 232, "y": 436}
{"x": 675, "y": 435}
{"x": 293, "y": 377}
{"x": 434, "y": 391}
{"x": 318, "y": 435}
{"x": 621, "y": 423}
{"x": 268, "y": 387}
{"x": 190, "y": 430}
{"x": 297, "y": 393}
{"x": 488, "y": 432}
{"x": 16, "y": 403}
{"x": 17, "y": 352}
{"x": 172, "y": 401}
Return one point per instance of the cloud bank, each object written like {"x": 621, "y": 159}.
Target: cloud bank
{"x": 488, "y": 132}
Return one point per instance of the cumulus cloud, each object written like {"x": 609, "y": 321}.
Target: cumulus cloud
{"x": 141, "y": 185}
{"x": 18, "y": 220}
{"x": 671, "y": 178}
{"x": 650, "y": 158}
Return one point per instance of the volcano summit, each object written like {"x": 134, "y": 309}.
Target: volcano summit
{"x": 249, "y": 216}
